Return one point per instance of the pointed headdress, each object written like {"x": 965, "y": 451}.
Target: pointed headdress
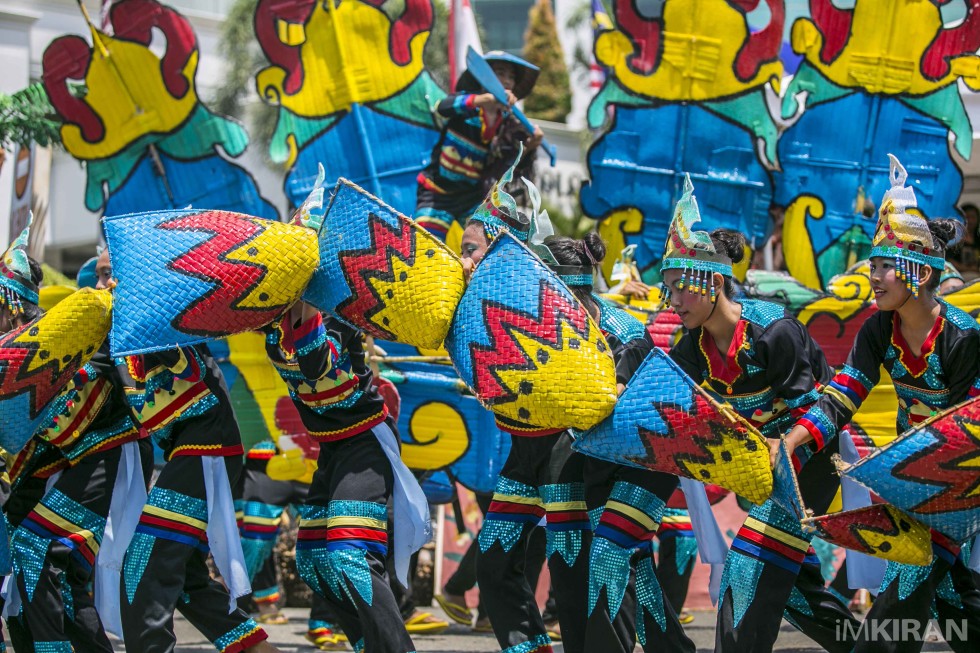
{"x": 16, "y": 283}
{"x": 499, "y": 209}
{"x": 692, "y": 251}
{"x": 902, "y": 232}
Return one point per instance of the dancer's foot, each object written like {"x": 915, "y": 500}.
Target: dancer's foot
{"x": 424, "y": 623}
{"x": 455, "y": 608}
{"x": 483, "y": 625}
{"x": 270, "y": 615}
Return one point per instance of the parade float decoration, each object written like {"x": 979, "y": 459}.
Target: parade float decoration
{"x": 135, "y": 119}
{"x": 352, "y": 93}
{"x": 699, "y": 72}
{"x": 526, "y": 347}
{"x": 877, "y": 77}
{"x": 41, "y": 358}
{"x": 188, "y": 276}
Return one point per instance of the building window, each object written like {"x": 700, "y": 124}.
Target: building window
{"x": 504, "y": 23}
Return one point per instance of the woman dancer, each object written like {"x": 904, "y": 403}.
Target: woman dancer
{"x": 764, "y": 363}
{"x": 931, "y": 350}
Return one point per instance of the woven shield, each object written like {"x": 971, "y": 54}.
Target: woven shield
{"x": 665, "y": 422}
{"x": 38, "y": 360}
{"x": 525, "y": 345}
{"x": 785, "y": 486}
{"x": 190, "y": 276}
{"x": 931, "y": 471}
{"x": 382, "y": 273}
{"x": 877, "y": 530}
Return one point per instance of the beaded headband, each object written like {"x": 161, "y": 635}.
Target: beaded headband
{"x": 903, "y": 232}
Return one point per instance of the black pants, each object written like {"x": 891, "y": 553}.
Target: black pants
{"x": 342, "y": 547}
{"x": 772, "y": 572}
{"x": 55, "y": 547}
{"x": 909, "y": 597}
{"x": 627, "y": 505}
{"x": 534, "y": 483}
{"x": 464, "y": 578}
{"x": 676, "y": 556}
{"x": 166, "y": 570}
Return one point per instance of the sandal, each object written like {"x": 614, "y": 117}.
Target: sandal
{"x": 458, "y": 613}
{"x": 685, "y": 617}
{"x": 425, "y": 623}
{"x": 325, "y": 639}
{"x": 276, "y": 618}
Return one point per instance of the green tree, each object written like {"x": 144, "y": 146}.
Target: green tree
{"x": 552, "y": 97}
{"x": 436, "y": 53}
{"x": 240, "y": 49}
{"x": 25, "y": 117}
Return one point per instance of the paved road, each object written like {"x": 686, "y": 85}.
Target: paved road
{"x": 290, "y": 639}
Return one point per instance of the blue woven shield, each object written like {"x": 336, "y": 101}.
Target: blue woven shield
{"x": 382, "y": 273}
{"x": 665, "y": 422}
{"x": 528, "y": 348}
{"x": 932, "y": 471}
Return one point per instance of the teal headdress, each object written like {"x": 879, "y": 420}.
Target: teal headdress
{"x": 692, "y": 251}
{"x": 499, "y": 209}
{"x": 16, "y": 282}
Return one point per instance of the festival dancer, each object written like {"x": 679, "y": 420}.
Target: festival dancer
{"x": 342, "y": 545}
{"x": 473, "y": 145}
{"x": 179, "y": 396}
{"x": 20, "y": 280}
{"x": 55, "y": 544}
{"x": 765, "y": 364}
{"x": 931, "y": 350}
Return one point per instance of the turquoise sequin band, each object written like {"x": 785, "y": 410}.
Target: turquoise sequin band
{"x": 238, "y": 635}
{"x": 577, "y": 279}
{"x": 891, "y": 251}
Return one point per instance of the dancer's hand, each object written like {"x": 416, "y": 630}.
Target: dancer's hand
{"x": 773, "y": 451}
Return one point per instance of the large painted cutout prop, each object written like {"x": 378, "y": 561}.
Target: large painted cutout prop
{"x": 135, "y": 119}
{"x": 875, "y": 78}
{"x": 352, "y": 93}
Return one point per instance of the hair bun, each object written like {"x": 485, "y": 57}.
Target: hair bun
{"x": 730, "y": 243}
{"x": 947, "y": 233}
{"x": 594, "y": 245}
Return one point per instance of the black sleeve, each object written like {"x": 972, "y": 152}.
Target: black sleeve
{"x": 629, "y": 356}
{"x": 962, "y": 366}
{"x": 687, "y": 357}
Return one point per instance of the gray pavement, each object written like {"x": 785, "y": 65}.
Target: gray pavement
{"x": 289, "y": 638}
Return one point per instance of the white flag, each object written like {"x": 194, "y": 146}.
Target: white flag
{"x": 462, "y": 35}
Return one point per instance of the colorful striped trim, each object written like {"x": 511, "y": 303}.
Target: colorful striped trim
{"x": 79, "y": 411}
{"x": 819, "y": 425}
{"x": 352, "y": 430}
{"x": 347, "y": 525}
{"x": 206, "y": 450}
{"x": 631, "y": 517}
{"x": 165, "y": 517}
{"x": 96, "y": 441}
{"x": 59, "y": 518}
{"x": 770, "y": 544}
{"x": 270, "y": 595}
{"x": 241, "y": 637}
